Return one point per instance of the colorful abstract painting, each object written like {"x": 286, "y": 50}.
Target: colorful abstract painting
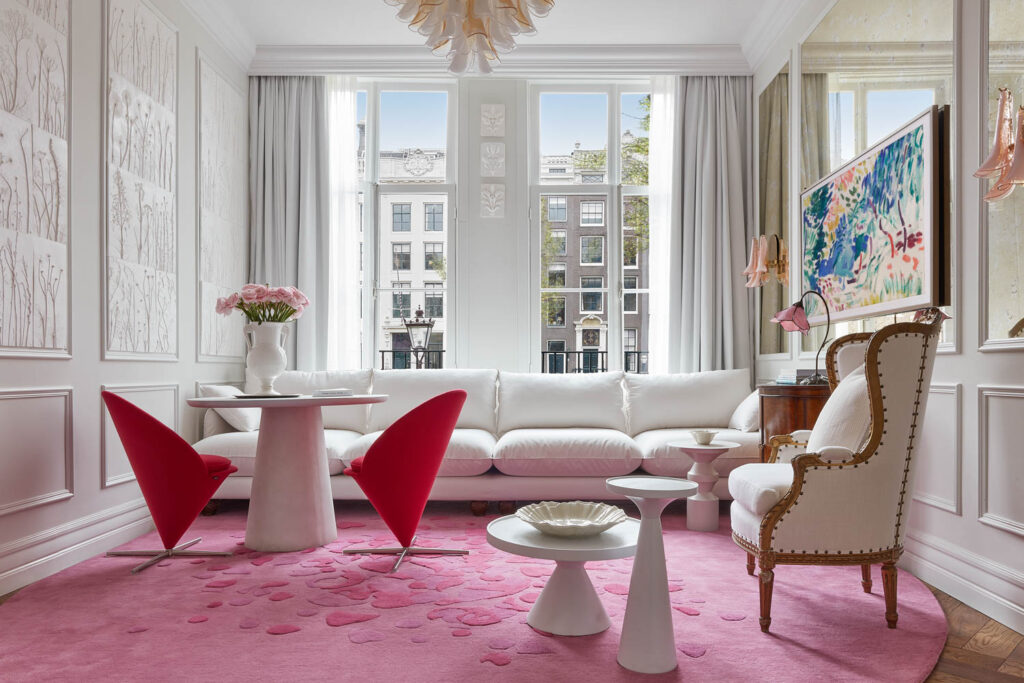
{"x": 870, "y": 229}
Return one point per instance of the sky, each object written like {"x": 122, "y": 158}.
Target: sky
{"x": 418, "y": 119}
{"x": 887, "y": 112}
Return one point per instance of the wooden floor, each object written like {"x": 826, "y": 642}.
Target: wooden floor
{"x": 977, "y": 648}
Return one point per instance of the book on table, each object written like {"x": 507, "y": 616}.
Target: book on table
{"x": 332, "y": 393}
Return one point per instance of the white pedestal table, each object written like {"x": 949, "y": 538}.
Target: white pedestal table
{"x": 290, "y": 507}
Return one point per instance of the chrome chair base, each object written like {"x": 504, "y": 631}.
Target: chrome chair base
{"x": 157, "y": 555}
{"x": 402, "y": 552}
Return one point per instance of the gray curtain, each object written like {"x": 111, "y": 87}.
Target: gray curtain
{"x": 290, "y": 201}
{"x": 715, "y": 329}
{"x": 773, "y": 199}
{"x": 815, "y": 162}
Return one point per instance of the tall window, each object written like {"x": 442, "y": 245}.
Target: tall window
{"x": 433, "y": 255}
{"x": 591, "y": 302}
{"x": 433, "y": 300}
{"x": 401, "y": 256}
{"x": 401, "y": 300}
{"x": 591, "y": 213}
{"x": 401, "y": 217}
{"x": 591, "y": 250}
{"x": 433, "y": 218}
{"x": 556, "y": 275}
{"x": 558, "y": 242}
{"x": 629, "y": 284}
{"x": 554, "y": 311}
{"x": 557, "y": 209}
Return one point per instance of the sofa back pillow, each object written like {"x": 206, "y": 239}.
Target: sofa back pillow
{"x": 352, "y": 418}
{"x": 699, "y": 399}
{"x": 406, "y": 389}
{"x": 242, "y": 419}
{"x": 537, "y": 400}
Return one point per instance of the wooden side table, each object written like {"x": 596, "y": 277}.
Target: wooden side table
{"x": 786, "y": 408}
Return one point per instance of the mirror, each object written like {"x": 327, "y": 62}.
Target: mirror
{"x": 868, "y": 68}
{"x": 773, "y": 198}
{"x": 1005, "y": 216}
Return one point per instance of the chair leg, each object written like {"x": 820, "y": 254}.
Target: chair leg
{"x": 767, "y": 577}
{"x": 211, "y": 508}
{"x": 865, "y": 577}
{"x": 889, "y": 588}
{"x": 751, "y": 560}
{"x": 402, "y": 552}
{"x": 176, "y": 551}
{"x": 507, "y": 507}
{"x": 478, "y": 507}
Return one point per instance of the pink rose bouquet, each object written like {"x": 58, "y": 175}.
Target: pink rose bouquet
{"x": 265, "y": 304}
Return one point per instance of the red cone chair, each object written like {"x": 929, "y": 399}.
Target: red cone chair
{"x": 175, "y": 480}
{"x": 398, "y": 471}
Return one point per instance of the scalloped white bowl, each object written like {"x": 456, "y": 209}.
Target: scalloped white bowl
{"x": 575, "y": 518}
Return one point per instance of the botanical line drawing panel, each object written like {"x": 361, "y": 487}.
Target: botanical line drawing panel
{"x": 140, "y": 134}
{"x": 223, "y": 209}
{"x": 34, "y": 220}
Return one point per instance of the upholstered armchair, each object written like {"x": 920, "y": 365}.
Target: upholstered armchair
{"x": 839, "y": 494}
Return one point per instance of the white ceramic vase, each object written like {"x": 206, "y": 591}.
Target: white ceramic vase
{"x": 266, "y": 359}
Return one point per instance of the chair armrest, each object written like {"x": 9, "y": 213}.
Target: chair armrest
{"x": 836, "y": 454}
{"x": 785, "y": 447}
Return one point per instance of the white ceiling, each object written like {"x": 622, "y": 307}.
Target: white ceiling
{"x": 571, "y": 22}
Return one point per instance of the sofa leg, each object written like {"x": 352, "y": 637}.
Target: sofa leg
{"x": 889, "y": 588}
{"x": 211, "y": 508}
{"x": 507, "y": 507}
{"x": 750, "y": 563}
{"x": 865, "y": 577}
{"x": 478, "y": 507}
{"x": 767, "y": 577}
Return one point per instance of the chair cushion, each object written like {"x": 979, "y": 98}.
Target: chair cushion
{"x": 845, "y": 420}
{"x": 537, "y": 400}
{"x": 661, "y": 401}
{"x": 747, "y": 416}
{"x": 745, "y": 524}
{"x": 216, "y": 463}
{"x": 566, "y": 453}
{"x": 242, "y": 419}
{"x": 758, "y": 487}
{"x": 406, "y": 389}
{"x": 240, "y": 449}
{"x": 469, "y": 452}
{"x": 662, "y": 461}
{"x": 352, "y": 418}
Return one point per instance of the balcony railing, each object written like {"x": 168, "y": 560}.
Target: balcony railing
{"x": 405, "y": 359}
{"x": 559, "y": 362}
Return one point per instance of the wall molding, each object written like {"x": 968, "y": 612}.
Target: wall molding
{"x": 25, "y": 542}
{"x": 106, "y": 481}
{"x": 985, "y": 393}
{"x": 69, "y": 446}
{"x": 772, "y": 18}
{"x": 220, "y": 23}
{"x": 532, "y": 60}
{"x": 954, "y": 506}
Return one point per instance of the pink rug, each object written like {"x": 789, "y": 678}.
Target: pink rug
{"x": 319, "y": 614}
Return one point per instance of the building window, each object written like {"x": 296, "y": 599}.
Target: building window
{"x": 556, "y": 275}
{"x": 401, "y": 301}
{"x": 591, "y": 250}
{"x": 558, "y": 242}
{"x": 556, "y": 356}
{"x": 591, "y": 213}
{"x": 554, "y": 310}
{"x": 433, "y": 219}
{"x": 433, "y": 255}
{"x": 557, "y": 209}
{"x": 401, "y": 217}
{"x": 401, "y": 256}
{"x": 629, "y": 282}
{"x": 592, "y": 302}
{"x": 433, "y": 300}
{"x": 592, "y": 178}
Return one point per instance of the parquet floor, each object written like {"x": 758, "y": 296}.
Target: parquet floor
{"x": 978, "y": 649}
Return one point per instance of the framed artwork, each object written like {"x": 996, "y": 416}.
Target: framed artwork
{"x": 873, "y": 232}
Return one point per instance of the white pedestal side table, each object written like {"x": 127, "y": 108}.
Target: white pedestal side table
{"x": 568, "y": 605}
{"x": 290, "y": 507}
{"x": 702, "y": 507}
{"x": 647, "y": 644}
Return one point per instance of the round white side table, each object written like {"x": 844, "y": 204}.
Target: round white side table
{"x": 647, "y": 644}
{"x": 702, "y": 507}
{"x": 290, "y": 507}
{"x": 568, "y": 604}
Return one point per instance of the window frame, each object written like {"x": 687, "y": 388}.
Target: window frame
{"x": 427, "y": 216}
{"x": 603, "y": 243}
{"x": 427, "y": 253}
{"x": 564, "y": 207}
{"x": 586, "y": 290}
{"x": 604, "y": 212}
{"x": 407, "y": 214}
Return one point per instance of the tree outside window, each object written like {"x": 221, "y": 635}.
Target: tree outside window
{"x": 433, "y": 255}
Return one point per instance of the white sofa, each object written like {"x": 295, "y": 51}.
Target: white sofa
{"x": 520, "y": 436}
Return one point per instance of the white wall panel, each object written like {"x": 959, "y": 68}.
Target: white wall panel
{"x": 1001, "y": 457}
{"x": 36, "y": 456}
{"x": 159, "y": 400}
{"x": 939, "y": 460}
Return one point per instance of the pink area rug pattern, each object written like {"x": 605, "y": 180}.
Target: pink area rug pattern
{"x": 319, "y": 614}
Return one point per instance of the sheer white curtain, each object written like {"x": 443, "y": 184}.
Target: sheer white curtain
{"x": 701, "y": 217}
{"x": 343, "y": 321}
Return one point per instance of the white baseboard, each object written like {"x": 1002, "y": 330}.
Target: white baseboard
{"x": 989, "y": 587}
{"x": 101, "y": 532}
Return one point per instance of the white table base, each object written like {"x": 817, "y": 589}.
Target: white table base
{"x": 291, "y": 507}
{"x": 568, "y": 605}
{"x": 702, "y": 507}
{"x": 648, "y": 644}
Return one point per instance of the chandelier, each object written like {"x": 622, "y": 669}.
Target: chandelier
{"x": 1006, "y": 162}
{"x": 474, "y": 31}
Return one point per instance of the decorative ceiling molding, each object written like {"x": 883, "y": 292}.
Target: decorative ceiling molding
{"x": 225, "y": 28}
{"x": 764, "y": 31}
{"x": 883, "y": 57}
{"x": 525, "y": 60}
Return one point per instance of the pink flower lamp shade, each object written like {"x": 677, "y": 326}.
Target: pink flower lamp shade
{"x": 794, "y": 319}
{"x": 1003, "y": 163}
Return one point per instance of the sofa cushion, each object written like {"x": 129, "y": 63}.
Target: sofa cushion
{"x": 845, "y": 420}
{"x": 566, "y": 453}
{"x": 661, "y": 401}
{"x": 662, "y": 461}
{"x": 352, "y": 418}
{"x": 537, "y": 400}
{"x": 469, "y": 452}
{"x": 747, "y": 416}
{"x": 406, "y": 389}
{"x": 240, "y": 449}
{"x": 242, "y": 419}
{"x": 758, "y": 487}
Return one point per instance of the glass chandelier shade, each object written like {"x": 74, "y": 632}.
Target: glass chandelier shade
{"x": 760, "y": 268}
